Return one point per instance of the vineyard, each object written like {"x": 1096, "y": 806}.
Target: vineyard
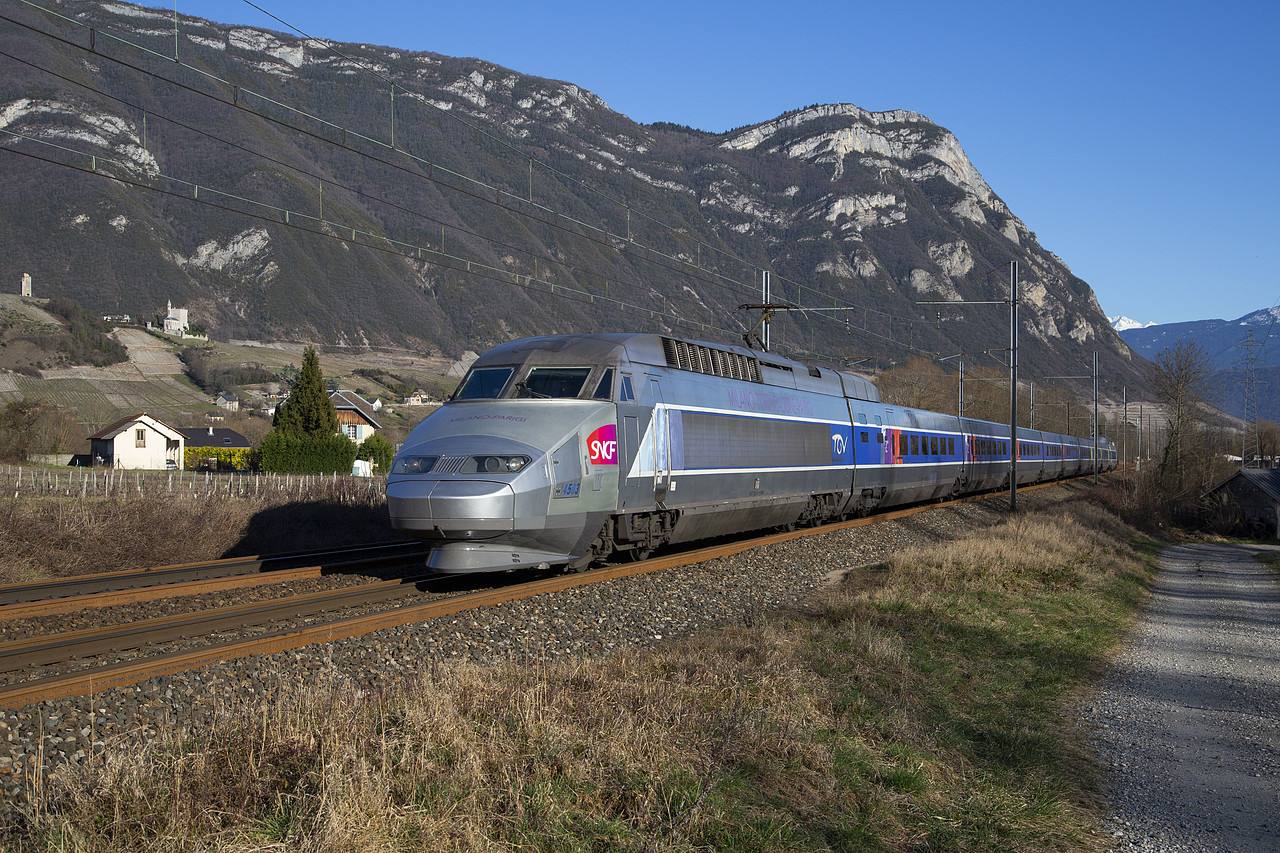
{"x": 19, "y": 482}
{"x": 101, "y": 401}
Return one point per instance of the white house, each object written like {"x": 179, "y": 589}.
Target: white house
{"x": 138, "y": 441}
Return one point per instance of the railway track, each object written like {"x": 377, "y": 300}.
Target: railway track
{"x": 310, "y": 618}
{"x": 20, "y": 601}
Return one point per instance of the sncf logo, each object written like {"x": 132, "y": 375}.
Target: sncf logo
{"x": 602, "y": 445}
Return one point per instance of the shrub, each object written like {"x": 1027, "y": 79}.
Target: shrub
{"x": 293, "y": 454}
{"x": 379, "y": 451}
{"x": 228, "y": 458}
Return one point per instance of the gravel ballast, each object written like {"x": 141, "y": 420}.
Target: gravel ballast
{"x": 1188, "y": 720}
{"x": 640, "y": 611}
{"x": 1164, "y": 725}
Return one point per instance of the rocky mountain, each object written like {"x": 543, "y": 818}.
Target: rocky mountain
{"x": 358, "y": 195}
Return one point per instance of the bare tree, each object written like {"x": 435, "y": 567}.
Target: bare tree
{"x": 1182, "y": 381}
{"x": 918, "y": 384}
{"x": 1268, "y": 443}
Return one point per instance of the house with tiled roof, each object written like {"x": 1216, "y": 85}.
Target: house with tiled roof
{"x": 356, "y": 415}
{"x": 138, "y": 442}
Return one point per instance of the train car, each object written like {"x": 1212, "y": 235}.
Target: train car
{"x": 564, "y": 450}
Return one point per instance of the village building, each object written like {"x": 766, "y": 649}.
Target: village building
{"x": 355, "y": 415}
{"x": 138, "y": 442}
{"x": 1248, "y": 502}
{"x": 175, "y": 321}
{"x": 417, "y": 398}
{"x": 201, "y": 437}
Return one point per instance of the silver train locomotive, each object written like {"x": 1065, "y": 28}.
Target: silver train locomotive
{"x": 565, "y": 450}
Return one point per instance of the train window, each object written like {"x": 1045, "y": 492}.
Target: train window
{"x": 951, "y": 446}
{"x": 933, "y": 445}
{"x": 604, "y": 390}
{"x": 558, "y": 382}
{"x": 915, "y": 445}
{"x": 878, "y": 421}
{"x": 879, "y": 437}
{"x": 484, "y": 384}
{"x": 625, "y": 394}
{"x": 865, "y": 438}
{"x": 862, "y": 417}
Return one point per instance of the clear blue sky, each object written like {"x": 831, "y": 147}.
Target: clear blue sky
{"x": 1139, "y": 140}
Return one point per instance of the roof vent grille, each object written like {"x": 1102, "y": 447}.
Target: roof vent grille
{"x": 698, "y": 358}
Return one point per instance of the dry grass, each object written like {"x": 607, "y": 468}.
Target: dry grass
{"x": 920, "y": 707}
{"x": 69, "y": 530}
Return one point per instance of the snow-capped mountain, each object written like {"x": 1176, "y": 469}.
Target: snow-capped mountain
{"x": 1121, "y": 323}
{"x": 1223, "y": 341}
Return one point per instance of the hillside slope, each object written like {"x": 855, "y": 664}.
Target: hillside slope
{"x": 354, "y": 194}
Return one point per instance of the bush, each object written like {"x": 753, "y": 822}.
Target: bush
{"x": 292, "y": 454}
{"x": 379, "y": 451}
{"x": 228, "y": 458}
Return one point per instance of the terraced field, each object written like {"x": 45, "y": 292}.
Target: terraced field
{"x": 105, "y": 400}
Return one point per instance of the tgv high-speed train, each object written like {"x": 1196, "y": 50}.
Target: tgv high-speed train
{"x": 567, "y": 449}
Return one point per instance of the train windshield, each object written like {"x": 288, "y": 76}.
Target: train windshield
{"x": 547, "y": 382}
{"x": 485, "y": 383}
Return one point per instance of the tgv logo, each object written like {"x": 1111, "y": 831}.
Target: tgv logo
{"x": 839, "y": 444}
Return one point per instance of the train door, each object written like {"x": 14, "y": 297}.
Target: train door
{"x": 566, "y": 467}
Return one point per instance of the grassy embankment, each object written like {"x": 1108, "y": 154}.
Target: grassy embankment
{"x": 923, "y": 705}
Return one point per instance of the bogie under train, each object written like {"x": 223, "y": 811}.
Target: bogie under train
{"x": 565, "y": 450}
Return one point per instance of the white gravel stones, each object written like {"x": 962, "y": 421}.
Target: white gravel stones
{"x": 1189, "y": 719}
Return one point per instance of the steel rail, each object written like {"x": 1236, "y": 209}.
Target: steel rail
{"x": 54, "y": 606}
{"x": 127, "y": 673}
{"x": 90, "y": 642}
{"x": 133, "y": 578}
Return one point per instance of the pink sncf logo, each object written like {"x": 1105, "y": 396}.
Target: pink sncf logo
{"x": 602, "y": 445}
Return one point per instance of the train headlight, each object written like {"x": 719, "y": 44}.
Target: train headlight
{"x": 495, "y": 464}
{"x": 413, "y": 464}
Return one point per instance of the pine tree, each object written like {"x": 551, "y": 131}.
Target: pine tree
{"x": 309, "y": 411}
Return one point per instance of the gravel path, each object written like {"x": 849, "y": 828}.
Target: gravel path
{"x": 1189, "y": 719}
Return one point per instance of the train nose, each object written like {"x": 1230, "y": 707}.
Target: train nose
{"x": 452, "y": 509}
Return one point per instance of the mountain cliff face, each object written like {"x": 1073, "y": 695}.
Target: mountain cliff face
{"x": 357, "y": 195}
